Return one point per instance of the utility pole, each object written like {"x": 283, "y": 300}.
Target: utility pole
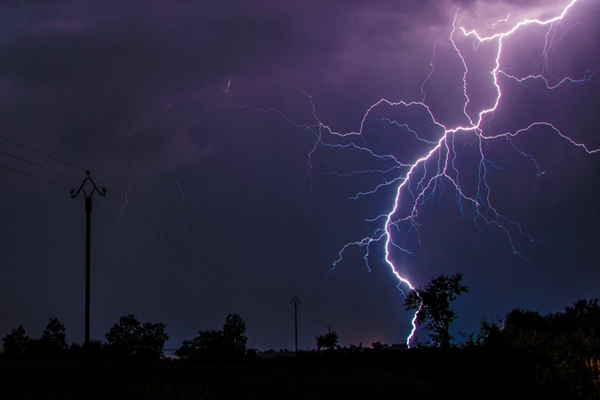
{"x": 329, "y": 327}
{"x": 88, "y": 214}
{"x": 295, "y": 302}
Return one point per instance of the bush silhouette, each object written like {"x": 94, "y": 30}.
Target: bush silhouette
{"x": 129, "y": 339}
{"x": 227, "y": 345}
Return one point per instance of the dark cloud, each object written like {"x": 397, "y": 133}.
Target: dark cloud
{"x": 203, "y": 115}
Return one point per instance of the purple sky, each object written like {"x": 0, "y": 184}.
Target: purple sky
{"x": 205, "y": 118}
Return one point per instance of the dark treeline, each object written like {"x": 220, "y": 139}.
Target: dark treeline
{"x": 556, "y": 356}
{"x": 130, "y": 340}
{"x": 537, "y": 356}
{"x": 126, "y": 340}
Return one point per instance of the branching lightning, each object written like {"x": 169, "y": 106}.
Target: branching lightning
{"x": 486, "y": 213}
{"x": 443, "y": 151}
{"x": 418, "y": 175}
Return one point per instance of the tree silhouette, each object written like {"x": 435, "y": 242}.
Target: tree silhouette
{"x": 207, "y": 346}
{"x": 555, "y": 355}
{"x": 328, "y": 341}
{"x": 234, "y": 335}
{"x": 583, "y": 315}
{"x": 129, "y": 339}
{"x": 16, "y": 343}
{"x": 432, "y": 305}
{"x": 211, "y": 346}
{"x": 53, "y": 343}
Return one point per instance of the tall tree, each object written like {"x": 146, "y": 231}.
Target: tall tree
{"x": 16, "y": 343}
{"x": 328, "y": 341}
{"x": 130, "y": 339}
{"x": 54, "y": 334}
{"x": 228, "y": 344}
{"x": 53, "y": 343}
{"x": 234, "y": 335}
{"x": 432, "y": 305}
{"x": 207, "y": 346}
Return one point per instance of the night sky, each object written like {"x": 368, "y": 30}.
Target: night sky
{"x": 244, "y": 144}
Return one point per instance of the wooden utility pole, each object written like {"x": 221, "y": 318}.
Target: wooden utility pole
{"x": 295, "y": 302}
{"x": 88, "y": 217}
{"x": 329, "y": 327}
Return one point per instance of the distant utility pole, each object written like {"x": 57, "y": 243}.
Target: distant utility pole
{"x": 88, "y": 211}
{"x": 329, "y": 327}
{"x": 295, "y": 302}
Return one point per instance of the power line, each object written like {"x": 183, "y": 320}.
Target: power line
{"x": 247, "y": 293}
{"x": 41, "y": 153}
{"x": 309, "y": 313}
{"x": 190, "y": 253}
{"x": 34, "y": 177}
{"x": 232, "y": 280}
{"x": 245, "y": 289}
{"x": 38, "y": 165}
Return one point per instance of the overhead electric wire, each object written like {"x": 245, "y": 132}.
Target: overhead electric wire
{"x": 180, "y": 261}
{"x": 41, "y": 153}
{"x": 309, "y": 313}
{"x": 38, "y": 165}
{"x": 190, "y": 253}
{"x": 257, "y": 292}
{"x": 242, "y": 288}
{"x": 33, "y": 176}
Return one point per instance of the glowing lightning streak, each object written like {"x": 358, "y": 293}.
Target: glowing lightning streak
{"x": 123, "y": 206}
{"x": 476, "y": 126}
{"x": 485, "y": 211}
{"x": 417, "y": 172}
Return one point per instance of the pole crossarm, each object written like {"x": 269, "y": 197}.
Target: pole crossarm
{"x": 101, "y": 191}
{"x": 295, "y": 300}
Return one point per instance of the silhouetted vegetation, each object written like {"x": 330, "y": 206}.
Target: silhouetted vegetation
{"x": 227, "y": 345}
{"x": 432, "y": 305}
{"x": 522, "y": 355}
{"x": 129, "y": 339}
{"x": 555, "y": 356}
{"x": 328, "y": 341}
{"x": 52, "y": 344}
{"x": 16, "y": 344}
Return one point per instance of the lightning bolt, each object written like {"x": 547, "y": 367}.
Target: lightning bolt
{"x": 442, "y": 155}
{"x": 417, "y": 177}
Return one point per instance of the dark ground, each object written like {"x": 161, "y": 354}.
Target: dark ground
{"x": 404, "y": 375}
